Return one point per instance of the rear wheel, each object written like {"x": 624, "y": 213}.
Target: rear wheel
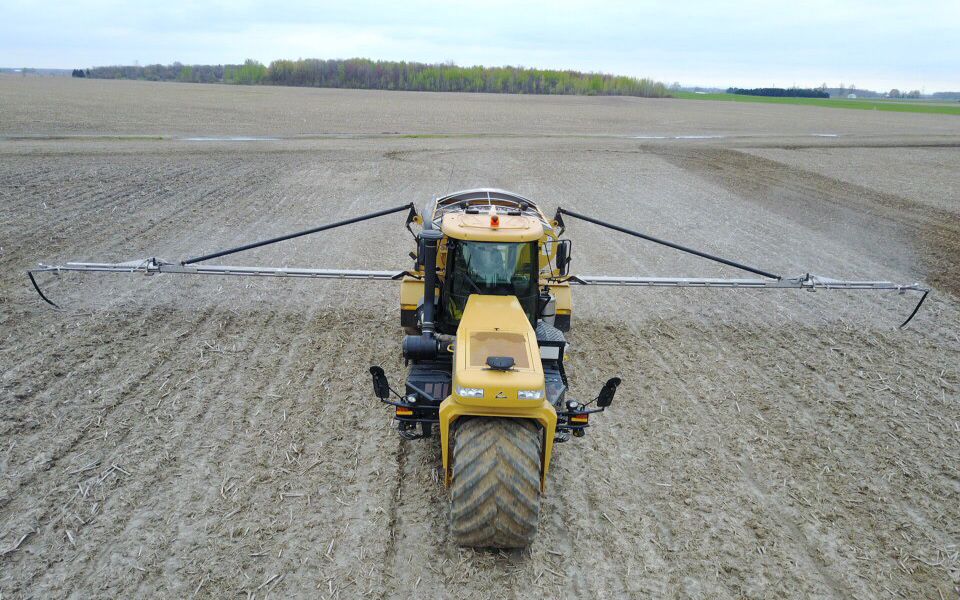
{"x": 495, "y": 494}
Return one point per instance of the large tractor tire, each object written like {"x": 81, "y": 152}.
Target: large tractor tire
{"x": 495, "y": 493}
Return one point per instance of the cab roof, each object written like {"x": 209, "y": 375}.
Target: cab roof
{"x": 519, "y": 219}
{"x": 490, "y": 226}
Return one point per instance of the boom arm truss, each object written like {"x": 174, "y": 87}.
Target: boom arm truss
{"x": 773, "y": 281}
{"x": 153, "y": 266}
{"x": 803, "y": 282}
{"x": 190, "y": 266}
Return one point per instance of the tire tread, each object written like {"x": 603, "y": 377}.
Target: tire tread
{"x": 495, "y": 493}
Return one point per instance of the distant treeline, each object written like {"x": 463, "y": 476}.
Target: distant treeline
{"x": 174, "y": 72}
{"x": 946, "y": 95}
{"x": 781, "y": 92}
{"x": 360, "y": 73}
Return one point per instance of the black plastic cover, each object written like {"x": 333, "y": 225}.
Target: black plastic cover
{"x": 500, "y": 363}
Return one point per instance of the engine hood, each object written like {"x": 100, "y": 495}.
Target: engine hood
{"x": 496, "y": 326}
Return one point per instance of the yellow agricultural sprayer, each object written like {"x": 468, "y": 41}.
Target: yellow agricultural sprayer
{"x": 485, "y": 307}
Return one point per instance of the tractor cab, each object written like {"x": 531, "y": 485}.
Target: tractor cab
{"x": 492, "y": 251}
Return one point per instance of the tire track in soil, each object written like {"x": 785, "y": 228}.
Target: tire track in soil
{"x": 660, "y": 521}
{"x": 419, "y": 524}
{"x": 390, "y": 553}
{"x": 624, "y": 365}
{"x": 675, "y": 366}
{"x": 837, "y": 588}
{"x": 595, "y": 559}
{"x": 559, "y": 527}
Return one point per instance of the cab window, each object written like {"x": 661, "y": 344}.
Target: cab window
{"x": 489, "y": 268}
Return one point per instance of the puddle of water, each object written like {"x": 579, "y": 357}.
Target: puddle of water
{"x": 721, "y": 137}
{"x": 678, "y": 137}
{"x": 231, "y": 138}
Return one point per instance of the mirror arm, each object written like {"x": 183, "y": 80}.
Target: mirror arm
{"x": 591, "y": 402}
{"x": 398, "y": 404}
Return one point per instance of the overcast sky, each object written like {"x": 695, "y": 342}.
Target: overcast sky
{"x": 873, "y": 44}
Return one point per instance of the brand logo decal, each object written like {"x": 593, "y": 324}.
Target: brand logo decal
{"x": 501, "y": 396}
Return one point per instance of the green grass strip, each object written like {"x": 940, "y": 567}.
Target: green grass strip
{"x": 859, "y": 104}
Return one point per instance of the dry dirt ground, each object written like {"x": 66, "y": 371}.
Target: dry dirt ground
{"x": 165, "y": 437}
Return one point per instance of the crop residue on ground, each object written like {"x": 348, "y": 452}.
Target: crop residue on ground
{"x": 177, "y": 437}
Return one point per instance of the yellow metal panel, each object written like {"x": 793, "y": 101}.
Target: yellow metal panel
{"x": 411, "y": 293}
{"x": 477, "y": 228}
{"x": 494, "y": 316}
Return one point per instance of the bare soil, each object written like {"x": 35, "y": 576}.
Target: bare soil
{"x": 175, "y": 437}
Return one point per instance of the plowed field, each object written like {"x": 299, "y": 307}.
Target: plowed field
{"x": 173, "y": 436}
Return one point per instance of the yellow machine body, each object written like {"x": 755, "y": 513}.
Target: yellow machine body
{"x": 493, "y": 325}
{"x": 497, "y": 326}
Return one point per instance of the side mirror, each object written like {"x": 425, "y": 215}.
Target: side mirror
{"x": 380, "y": 385}
{"x": 563, "y": 257}
{"x": 605, "y": 398}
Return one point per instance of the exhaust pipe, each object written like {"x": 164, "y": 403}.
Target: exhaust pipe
{"x": 429, "y": 238}
{"x": 426, "y": 346}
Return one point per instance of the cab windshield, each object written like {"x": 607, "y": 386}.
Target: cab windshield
{"x": 490, "y": 268}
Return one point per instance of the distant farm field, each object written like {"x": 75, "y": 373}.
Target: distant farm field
{"x": 944, "y": 108}
{"x": 173, "y": 437}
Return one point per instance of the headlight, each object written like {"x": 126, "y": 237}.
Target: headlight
{"x": 530, "y": 394}
{"x": 470, "y": 392}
